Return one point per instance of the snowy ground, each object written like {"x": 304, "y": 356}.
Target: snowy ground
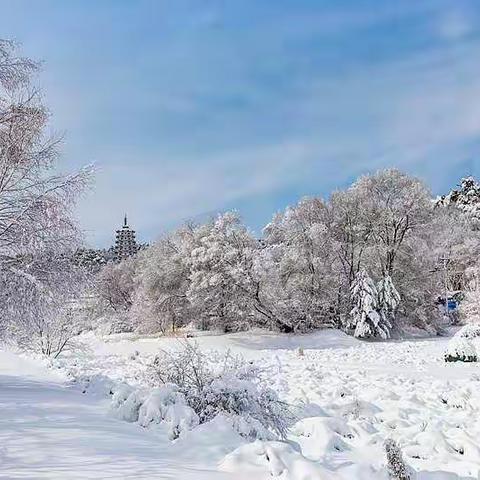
{"x": 355, "y": 394}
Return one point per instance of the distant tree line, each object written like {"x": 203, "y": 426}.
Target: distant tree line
{"x": 372, "y": 259}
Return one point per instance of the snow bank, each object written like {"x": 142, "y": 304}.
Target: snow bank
{"x": 97, "y": 384}
{"x": 212, "y": 440}
{"x": 320, "y": 437}
{"x": 278, "y": 459}
{"x": 469, "y": 331}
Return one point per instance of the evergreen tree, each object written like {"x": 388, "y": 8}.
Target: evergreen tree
{"x": 365, "y": 315}
{"x": 388, "y": 299}
{"x": 90, "y": 259}
{"x": 466, "y": 198}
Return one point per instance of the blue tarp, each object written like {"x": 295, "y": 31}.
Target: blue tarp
{"x": 452, "y": 304}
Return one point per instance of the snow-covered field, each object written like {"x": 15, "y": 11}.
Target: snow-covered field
{"x": 353, "y": 395}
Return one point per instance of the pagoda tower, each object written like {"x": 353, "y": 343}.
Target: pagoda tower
{"x": 125, "y": 243}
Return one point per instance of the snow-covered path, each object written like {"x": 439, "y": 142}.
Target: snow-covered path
{"x": 50, "y": 430}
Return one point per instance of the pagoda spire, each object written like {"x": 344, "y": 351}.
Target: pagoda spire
{"x": 125, "y": 243}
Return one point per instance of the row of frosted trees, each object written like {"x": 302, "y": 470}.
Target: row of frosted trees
{"x": 366, "y": 260}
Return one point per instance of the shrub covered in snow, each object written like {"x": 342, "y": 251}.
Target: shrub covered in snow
{"x": 396, "y": 467}
{"x": 224, "y": 384}
{"x": 126, "y": 403}
{"x": 162, "y": 405}
{"x": 167, "y": 404}
{"x": 255, "y": 411}
{"x": 460, "y": 349}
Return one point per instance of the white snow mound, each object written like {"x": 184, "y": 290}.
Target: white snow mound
{"x": 460, "y": 349}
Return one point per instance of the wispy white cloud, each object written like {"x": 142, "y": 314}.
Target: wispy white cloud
{"x": 456, "y": 23}
{"x": 189, "y": 107}
{"x": 399, "y": 113}
{"x": 171, "y": 192}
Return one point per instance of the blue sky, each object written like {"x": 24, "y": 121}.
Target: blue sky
{"x": 193, "y": 107}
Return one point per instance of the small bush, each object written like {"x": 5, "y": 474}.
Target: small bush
{"x": 166, "y": 404}
{"x": 460, "y": 349}
{"x": 161, "y": 405}
{"x": 126, "y": 403}
{"x": 227, "y": 385}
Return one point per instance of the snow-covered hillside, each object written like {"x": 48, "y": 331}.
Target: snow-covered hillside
{"x": 352, "y": 396}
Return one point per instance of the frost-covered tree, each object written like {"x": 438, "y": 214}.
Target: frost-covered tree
{"x": 418, "y": 280}
{"x": 266, "y": 291}
{"x": 398, "y": 213}
{"x": 115, "y": 285}
{"x": 35, "y": 201}
{"x": 219, "y": 259}
{"x": 113, "y": 294}
{"x": 465, "y": 199}
{"x": 457, "y": 239}
{"x": 365, "y": 317}
{"x": 42, "y": 303}
{"x": 397, "y": 206}
{"x": 351, "y": 232}
{"x": 382, "y": 223}
{"x": 457, "y": 242}
{"x": 216, "y": 275}
{"x": 162, "y": 279}
{"x": 92, "y": 260}
{"x": 304, "y": 270}
{"x": 40, "y": 287}
{"x": 388, "y": 298}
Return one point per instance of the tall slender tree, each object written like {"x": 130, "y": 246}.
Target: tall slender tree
{"x": 35, "y": 208}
